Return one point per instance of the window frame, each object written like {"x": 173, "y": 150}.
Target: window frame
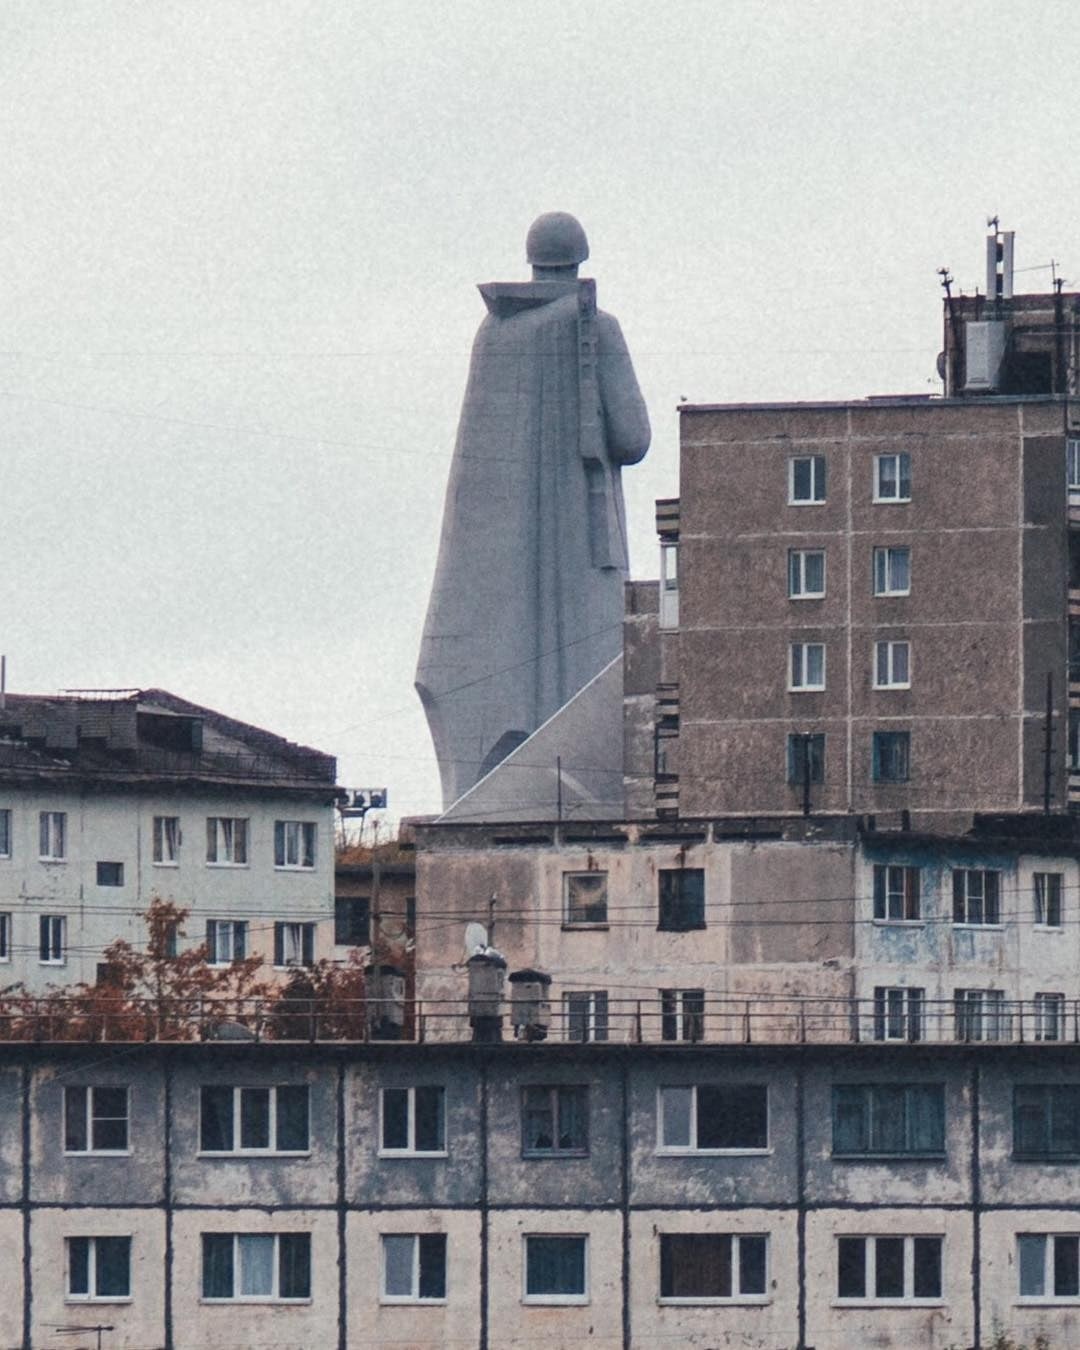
{"x": 884, "y": 585}
{"x": 89, "y": 1116}
{"x": 592, "y": 1014}
{"x": 578, "y": 1300}
{"x": 52, "y": 836}
{"x": 818, "y": 480}
{"x": 239, "y": 1149}
{"x": 664, "y": 1149}
{"x": 234, "y": 1297}
{"x": 1050, "y": 1100}
{"x": 669, "y": 585}
{"x": 352, "y": 916}
{"x": 235, "y": 927}
{"x": 888, "y": 645}
{"x": 687, "y": 1023}
{"x": 91, "y": 1295}
{"x": 6, "y": 817}
{"x": 908, "y": 894}
{"x": 216, "y": 850}
{"x": 1072, "y": 464}
{"x": 568, "y": 919}
{"x": 737, "y": 1295}
{"x": 875, "y": 1104}
{"x": 299, "y": 836}
{"x": 981, "y": 1014}
{"x": 554, "y": 1107}
{"x": 161, "y": 845}
{"x": 962, "y": 898}
{"x": 6, "y": 935}
{"x": 797, "y": 566}
{"x": 886, "y": 749}
{"x": 901, "y": 471}
{"x": 906, "y": 1299}
{"x": 101, "y": 877}
{"x": 813, "y": 744}
{"x": 799, "y": 662}
{"x": 410, "y": 1150}
{"x": 1048, "y": 1015}
{"x": 1049, "y": 899}
{"x": 415, "y": 1297}
{"x": 52, "y": 924}
{"x": 671, "y": 911}
{"x": 1049, "y": 1272}
{"x": 300, "y": 933}
{"x": 912, "y": 1001}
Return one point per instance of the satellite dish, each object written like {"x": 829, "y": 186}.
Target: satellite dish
{"x": 476, "y": 939}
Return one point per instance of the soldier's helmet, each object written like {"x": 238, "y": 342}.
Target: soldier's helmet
{"x": 556, "y": 239}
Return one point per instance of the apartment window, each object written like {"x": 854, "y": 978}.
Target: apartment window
{"x": 1072, "y": 464}
{"x": 1073, "y": 746}
{"x": 52, "y": 836}
{"x": 556, "y": 1268}
{"x": 714, "y": 1118}
{"x": 806, "y": 573}
{"x": 585, "y": 897}
{"x": 1049, "y": 1265}
{"x": 897, "y": 1013}
{"x": 892, "y": 477}
{"x": 682, "y": 898}
{"x": 981, "y": 1015}
{"x": 226, "y": 841}
{"x": 110, "y": 874}
{"x": 1046, "y": 1121}
{"x": 226, "y": 941}
{"x": 254, "y": 1119}
{"x": 256, "y": 1267}
{"x": 892, "y": 571}
{"x": 413, "y": 1120}
{"x": 1049, "y": 1017}
{"x": 976, "y": 896}
{"x": 555, "y": 1119}
{"x": 889, "y": 1269}
{"x": 669, "y": 585}
{"x": 806, "y": 753}
{"x": 95, "y": 1120}
{"x": 806, "y": 665}
{"x": 892, "y": 665}
{"x": 682, "y": 1014}
{"x": 896, "y": 893}
{"x": 52, "y": 933}
{"x": 1048, "y": 886}
{"x": 891, "y": 756}
{"x": 413, "y": 1267}
{"x": 98, "y": 1268}
{"x": 5, "y": 833}
{"x": 5, "y": 937}
{"x": 166, "y": 842}
{"x": 713, "y": 1267}
{"x": 294, "y": 944}
{"x": 888, "y": 1119}
{"x": 352, "y": 921}
{"x": 806, "y": 479}
{"x": 294, "y": 843}
{"x": 586, "y": 1015}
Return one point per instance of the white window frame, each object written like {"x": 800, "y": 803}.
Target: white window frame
{"x": 57, "y": 926}
{"x": 88, "y": 1124}
{"x": 899, "y": 1001}
{"x": 1040, "y": 887}
{"x": 901, "y": 460}
{"x": 238, "y": 1150}
{"x": 906, "y": 1299}
{"x": 292, "y": 937}
{"x": 52, "y": 836}
{"x": 578, "y": 1300}
{"x": 798, "y": 667}
{"x": 5, "y": 831}
{"x": 967, "y": 921}
{"x": 691, "y": 1149}
{"x": 1048, "y": 1297}
{"x": 165, "y": 850}
{"x": 274, "y": 1297}
{"x": 724, "y": 1300}
{"x": 1049, "y": 1016}
{"x": 224, "y": 845}
{"x": 410, "y": 1150}
{"x": 597, "y": 1020}
{"x": 298, "y": 839}
{"x": 887, "y": 647}
{"x": 414, "y": 1297}
{"x": 985, "y": 1013}
{"x": 886, "y": 552}
{"x": 897, "y": 884}
{"x": 5, "y": 937}
{"x": 93, "y": 1296}
{"x": 229, "y": 927}
{"x": 797, "y": 573}
{"x": 818, "y": 480}
{"x": 1072, "y": 463}
{"x": 669, "y": 584}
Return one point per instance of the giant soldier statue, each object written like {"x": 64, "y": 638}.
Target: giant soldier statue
{"x": 527, "y": 602}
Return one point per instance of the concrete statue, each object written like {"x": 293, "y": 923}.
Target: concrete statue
{"x": 526, "y": 607}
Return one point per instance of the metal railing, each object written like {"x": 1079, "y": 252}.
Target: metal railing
{"x": 716, "y": 1020}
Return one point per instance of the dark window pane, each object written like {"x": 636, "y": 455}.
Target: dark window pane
{"x": 1031, "y": 1250}
{"x": 752, "y": 1265}
{"x": 294, "y": 1265}
{"x": 732, "y": 1116}
{"x": 352, "y": 918}
{"x": 113, "y": 1267}
{"x": 695, "y": 1265}
{"x": 851, "y": 1268}
{"x": 217, "y": 1265}
{"x": 537, "y": 1128}
{"x": 927, "y": 1267}
{"x": 1064, "y": 1111}
{"x": 254, "y": 1117}
{"x": 925, "y": 1117}
{"x": 887, "y": 1119}
{"x": 1066, "y": 1266}
{"x": 432, "y": 1265}
{"x": 75, "y": 1140}
{"x": 395, "y": 1118}
{"x": 292, "y": 1118}
{"x": 555, "y": 1265}
{"x": 429, "y": 1119}
{"x": 1031, "y": 1123}
{"x": 682, "y": 898}
{"x": 78, "y": 1265}
{"x": 850, "y": 1123}
{"x": 889, "y": 1271}
{"x": 216, "y": 1120}
{"x": 573, "y": 1118}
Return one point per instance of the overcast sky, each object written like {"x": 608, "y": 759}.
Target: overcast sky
{"x": 239, "y": 242}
